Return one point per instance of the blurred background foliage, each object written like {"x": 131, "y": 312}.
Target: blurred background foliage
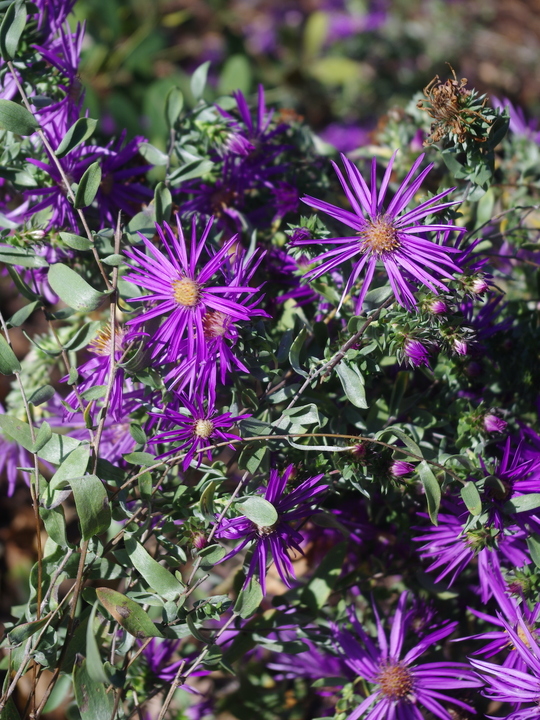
{"x": 338, "y": 63}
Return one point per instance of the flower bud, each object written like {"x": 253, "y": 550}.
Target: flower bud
{"x": 399, "y": 468}
{"x": 492, "y": 423}
{"x": 438, "y": 307}
{"x": 416, "y": 353}
{"x": 460, "y": 346}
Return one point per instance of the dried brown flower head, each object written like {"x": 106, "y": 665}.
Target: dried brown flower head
{"x": 449, "y": 104}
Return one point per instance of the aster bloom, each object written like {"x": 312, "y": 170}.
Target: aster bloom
{"x": 512, "y": 685}
{"x": 389, "y": 235}
{"x": 399, "y": 468}
{"x": 183, "y": 292}
{"x": 416, "y": 353}
{"x": 274, "y": 541}
{"x": 400, "y": 685}
{"x": 492, "y": 423}
{"x": 454, "y": 543}
{"x": 196, "y": 427}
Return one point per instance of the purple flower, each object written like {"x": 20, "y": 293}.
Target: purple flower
{"x": 195, "y": 428}
{"x": 492, "y": 423}
{"x": 389, "y": 235}
{"x": 416, "y": 353}
{"x": 438, "y": 307}
{"x": 509, "y": 684}
{"x": 183, "y": 292}
{"x": 274, "y": 541}
{"x": 399, "y": 468}
{"x": 460, "y": 346}
{"x": 401, "y": 685}
{"x": 518, "y": 123}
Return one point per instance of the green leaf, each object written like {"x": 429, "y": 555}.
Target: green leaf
{"x": 318, "y": 590}
{"x": 163, "y": 203}
{"x": 73, "y": 466}
{"x": 93, "y": 656}
{"x": 22, "y": 632}
{"x": 152, "y": 155}
{"x": 249, "y": 599}
{"x": 73, "y": 290}
{"x": 258, "y": 510}
{"x": 198, "y": 80}
{"x": 11, "y": 29}
{"x": 352, "y": 383}
{"x": 43, "y": 436}
{"x": 55, "y": 451}
{"x": 81, "y": 130}
{"x": 236, "y": 75}
{"x": 127, "y": 613}
{"x": 23, "y": 257}
{"x": 55, "y": 524}
{"x": 174, "y": 102}
{"x": 114, "y": 260}
{"x": 211, "y": 555}
{"x": 92, "y": 504}
{"x": 432, "y": 490}
{"x": 21, "y": 286}
{"x": 158, "y": 577}
{"x": 137, "y": 433}
{"x": 405, "y": 439}
{"x": 18, "y": 318}
{"x": 206, "y": 502}
{"x": 140, "y": 458}
{"x": 252, "y": 456}
{"x": 41, "y": 395}
{"x": 191, "y": 170}
{"x": 83, "y": 336}
{"x": 88, "y": 186}
{"x": 533, "y": 543}
{"x": 94, "y": 393}
{"x": 294, "y": 352}
{"x": 523, "y": 503}
{"x": 93, "y": 700}
{"x": 76, "y": 241}
{"x": 8, "y": 360}
{"x": 471, "y": 498}
{"x": 16, "y": 118}
{"x": 9, "y": 711}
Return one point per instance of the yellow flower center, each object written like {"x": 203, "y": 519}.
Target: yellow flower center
{"x": 380, "y": 236}
{"x": 215, "y": 324}
{"x": 101, "y": 344}
{"x": 186, "y": 292}
{"x": 203, "y": 428}
{"x": 396, "y": 681}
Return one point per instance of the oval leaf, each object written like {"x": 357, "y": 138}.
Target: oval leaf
{"x": 88, "y": 186}
{"x": 198, "y": 80}
{"x": 11, "y": 29}
{"x": 353, "y": 384}
{"x": 127, "y": 613}
{"x": 41, "y": 395}
{"x": 432, "y": 489}
{"x": 76, "y": 241}
{"x": 73, "y": 290}
{"x": 92, "y": 505}
{"x": 471, "y": 498}
{"x": 8, "y": 360}
{"x": 258, "y": 510}
{"x": 16, "y": 118}
{"x": 93, "y": 700}
{"x": 249, "y": 599}
{"x": 80, "y": 131}
{"x": 158, "y": 577}
{"x": 523, "y": 503}
{"x": 174, "y": 102}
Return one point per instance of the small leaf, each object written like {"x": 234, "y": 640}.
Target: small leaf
{"x": 81, "y": 130}
{"x": 533, "y": 543}
{"x": 88, "y": 186}
{"x": 93, "y": 700}
{"x": 258, "y": 510}
{"x": 9, "y": 711}
{"x": 236, "y": 75}
{"x": 471, "y": 498}
{"x": 76, "y": 241}
{"x": 23, "y": 257}
{"x": 405, "y": 439}
{"x": 8, "y": 360}
{"x": 127, "y": 613}
{"x": 158, "y": 577}
{"x": 163, "y": 203}
{"x": 73, "y": 466}
{"x": 11, "y": 29}
{"x": 18, "y": 318}
{"x": 198, "y": 80}
{"x": 41, "y": 395}
{"x": 22, "y": 632}
{"x": 93, "y": 656}
{"x": 73, "y": 290}
{"x": 43, "y": 436}
{"x": 114, "y": 260}
{"x": 294, "y": 352}
{"x": 211, "y": 555}
{"x": 152, "y": 155}
{"x": 55, "y": 524}
{"x": 16, "y": 119}
{"x": 352, "y": 383}
{"x": 92, "y": 504}
{"x": 140, "y": 458}
{"x": 432, "y": 490}
{"x": 94, "y": 393}
{"x": 83, "y": 336}
{"x": 174, "y": 102}
{"x": 249, "y": 599}
{"x": 523, "y": 503}
{"x": 137, "y": 433}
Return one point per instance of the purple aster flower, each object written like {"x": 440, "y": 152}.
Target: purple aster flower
{"x": 454, "y": 543}
{"x": 274, "y": 541}
{"x": 312, "y": 664}
{"x": 438, "y": 307}
{"x": 182, "y": 291}
{"x": 195, "y": 427}
{"x": 96, "y": 371}
{"x": 345, "y": 137}
{"x": 400, "y": 685}
{"x": 509, "y": 684}
{"x": 416, "y": 353}
{"x": 389, "y": 235}
{"x": 399, "y": 468}
{"x": 492, "y": 424}
{"x": 519, "y": 125}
